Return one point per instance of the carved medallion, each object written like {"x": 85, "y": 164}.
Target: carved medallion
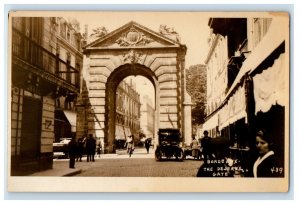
{"x": 133, "y": 38}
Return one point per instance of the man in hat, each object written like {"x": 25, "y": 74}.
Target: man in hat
{"x": 72, "y": 147}
{"x": 91, "y": 148}
{"x": 206, "y": 145}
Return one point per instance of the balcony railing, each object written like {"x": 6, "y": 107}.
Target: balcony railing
{"x": 34, "y": 54}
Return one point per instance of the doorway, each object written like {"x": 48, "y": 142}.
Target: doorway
{"x": 31, "y": 129}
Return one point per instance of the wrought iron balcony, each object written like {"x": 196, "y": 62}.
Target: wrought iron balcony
{"x": 42, "y": 62}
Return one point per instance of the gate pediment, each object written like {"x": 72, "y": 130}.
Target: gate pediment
{"x": 134, "y": 35}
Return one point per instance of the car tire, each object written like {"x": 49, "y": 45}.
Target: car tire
{"x": 184, "y": 155}
{"x": 158, "y": 155}
{"x": 180, "y": 155}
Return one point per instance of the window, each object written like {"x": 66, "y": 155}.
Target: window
{"x": 77, "y": 80}
{"x": 32, "y": 28}
{"x": 68, "y": 34}
{"x": 63, "y": 30}
{"x": 257, "y": 31}
{"x": 260, "y": 28}
{"x": 68, "y": 68}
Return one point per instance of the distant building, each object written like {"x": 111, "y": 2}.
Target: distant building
{"x": 46, "y": 65}
{"x": 127, "y": 113}
{"x": 147, "y": 117}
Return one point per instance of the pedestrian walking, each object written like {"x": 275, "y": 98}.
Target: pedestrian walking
{"x": 206, "y": 145}
{"x": 99, "y": 147}
{"x": 90, "y": 148}
{"x": 130, "y": 145}
{"x": 195, "y": 147}
{"x": 147, "y": 144}
{"x": 72, "y": 147}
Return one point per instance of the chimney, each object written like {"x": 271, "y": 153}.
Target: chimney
{"x": 86, "y": 32}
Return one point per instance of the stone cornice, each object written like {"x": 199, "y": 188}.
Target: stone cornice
{"x": 69, "y": 46}
{"x": 135, "y": 47}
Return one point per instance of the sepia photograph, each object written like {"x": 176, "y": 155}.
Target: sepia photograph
{"x": 131, "y": 101}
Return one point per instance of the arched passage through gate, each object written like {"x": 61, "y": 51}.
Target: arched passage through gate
{"x": 111, "y": 86}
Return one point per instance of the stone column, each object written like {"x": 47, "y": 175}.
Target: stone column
{"x": 187, "y": 108}
{"x": 186, "y": 120}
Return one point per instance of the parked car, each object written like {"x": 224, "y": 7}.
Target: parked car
{"x": 60, "y": 149}
{"x": 169, "y": 140}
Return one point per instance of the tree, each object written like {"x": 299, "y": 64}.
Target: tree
{"x": 196, "y": 87}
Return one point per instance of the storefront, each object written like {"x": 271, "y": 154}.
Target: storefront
{"x": 65, "y": 124}
{"x": 120, "y": 137}
{"x": 258, "y": 99}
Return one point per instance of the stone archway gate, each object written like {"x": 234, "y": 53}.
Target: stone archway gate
{"x": 133, "y": 50}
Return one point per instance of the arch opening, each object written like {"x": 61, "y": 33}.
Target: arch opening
{"x": 115, "y": 78}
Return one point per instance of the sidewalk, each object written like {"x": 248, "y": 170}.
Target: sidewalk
{"x": 61, "y": 166}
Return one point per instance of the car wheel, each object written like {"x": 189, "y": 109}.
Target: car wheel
{"x": 184, "y": 155}
{"x": 158, "y": 155}
{"x": 180, "y": 155}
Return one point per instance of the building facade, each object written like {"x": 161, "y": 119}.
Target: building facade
{"x": 247, "y": 81}
{"x": 147, "y": 117}
{"x": 45, "y": 77}
{"x": 127, "y": 112}
{"x": 68, "y": 49}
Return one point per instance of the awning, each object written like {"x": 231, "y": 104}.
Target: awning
{"x": 119, "y": 134}
{"x": 211, "y": 123}
{"x": 232, "y": 111}
{"x": 271, "y": 86}
{"x": 71, "y": 116}
{"x": 235, "y": 108}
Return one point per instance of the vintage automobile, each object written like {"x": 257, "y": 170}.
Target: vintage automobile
{"x": 169, "y": 140}
{"x": 60, "y": 149}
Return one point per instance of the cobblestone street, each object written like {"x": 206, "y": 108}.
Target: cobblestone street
{"x": 139, "y": 165}
{"x": 140, "y": 168}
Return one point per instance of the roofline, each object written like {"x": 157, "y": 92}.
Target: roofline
{"x": 212, "y": 48}
{"x": 133, "y": 23}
